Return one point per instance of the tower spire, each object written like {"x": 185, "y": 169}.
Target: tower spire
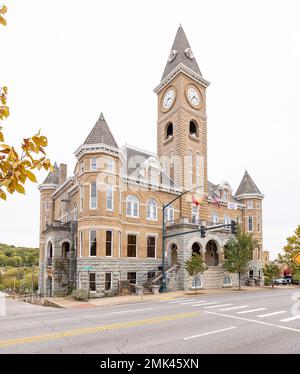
{"x": 181, "y": 53}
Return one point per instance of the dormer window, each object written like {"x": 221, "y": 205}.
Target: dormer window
{"x": 169, "y": 133}
{"x": 225, "y": 196}
{"x": 193, "y": 129}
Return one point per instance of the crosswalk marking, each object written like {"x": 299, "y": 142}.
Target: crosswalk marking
{"x": 216, "y": 306}
{"x": 236, "y": 307}
{"x": 172, "y": 302}
{"x": 193, "y": 301}
{"x": 209, "y": 333}
{"x": 290, "y": 318}
{"x": 177, "y": 301}
{"x": 251, "y": 310}
{"x": 215, "y": 302}
{"x": 271, "y": 314}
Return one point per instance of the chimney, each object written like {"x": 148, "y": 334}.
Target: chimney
{"x": 62, "y": 173}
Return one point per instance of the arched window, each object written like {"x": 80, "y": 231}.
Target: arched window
{"x": 227, "y": 219}
{"x": 65, "y": 250}
{"x": 226, "y": 280}
{"x": 169, "y": 130}
{"x": 132, "y": 206}
{"x": 197, "y": 283}
{"x": 152, "y": 209}
{"x": 170, "y": 213}
{"x": 193, "y": 128}
{"x": 214, "y": 218}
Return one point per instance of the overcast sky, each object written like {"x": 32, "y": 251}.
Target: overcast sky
{"x": 66, "y": 61}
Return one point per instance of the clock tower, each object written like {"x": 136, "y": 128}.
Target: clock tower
{"x": 181, "y": 125}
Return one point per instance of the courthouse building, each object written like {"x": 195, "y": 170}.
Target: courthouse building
{"x": 102, "y": 226}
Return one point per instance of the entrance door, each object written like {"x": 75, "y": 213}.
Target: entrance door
{"x": 211, "y": 254}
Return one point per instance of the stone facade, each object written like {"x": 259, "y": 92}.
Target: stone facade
{"x": 103, "y": 225}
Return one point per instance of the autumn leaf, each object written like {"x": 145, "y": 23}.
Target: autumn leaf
{"x": 31, "y": 176}
{"x": 20, "y": 189}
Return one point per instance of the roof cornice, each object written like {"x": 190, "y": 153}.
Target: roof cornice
{"x": 181, "y": 68}
{"x": 92, "y": 148}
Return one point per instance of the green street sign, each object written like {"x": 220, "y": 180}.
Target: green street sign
{"x": 88, "y": 268}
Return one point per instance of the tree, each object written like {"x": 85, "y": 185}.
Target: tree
{"x": 271, "y": 272}
{"x": 17, "y": 167}
{"x": 290, "y": 250}
{"x": 238, "y": 252}
{"x": 195, "y": 266}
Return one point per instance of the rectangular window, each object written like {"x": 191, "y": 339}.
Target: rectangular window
{"x": 151, "y": 244}
{"x": 108, "y": 243}
{"x": 81, "y": 197}
{"x": 131, "y": 245}
{"x": 195, "y": 214}
{"x": 93, "y": 195}
{"x": 110, "y": 164}
{"x": 92, "y": 281}
{"x": 109, "y": 197}
{"x": 190, "y": 168}
{"x": 93, "y": 243}
{"x": 250, "y": 223}
{"x": 93, "y": 163}
{"x": 131, "y": 277}
{"x": 258, "y": 224}
{"x": 80, "y": 243}
{"x": 250, "y": 204}
{"x": 81, "y": 167}
{"x": 108, "y": 283}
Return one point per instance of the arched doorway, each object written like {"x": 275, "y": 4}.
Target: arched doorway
{"x": 49, "y": 254}
{"x": 174, "y": 258}
{"x": 65, "y": 250}
{"x": 211, "y": 254}
{"x": 196, "y": 249}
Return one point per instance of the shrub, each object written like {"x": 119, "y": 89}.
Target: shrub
{"x": 80, "y": 294}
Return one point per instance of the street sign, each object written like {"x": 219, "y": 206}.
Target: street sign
{"x": 296, "y": 259}
{"x": 88, "y": 268}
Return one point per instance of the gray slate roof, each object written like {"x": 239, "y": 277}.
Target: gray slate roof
{"x": 101, "y": 134}
{"x": 247, "y": 186}
{"x": 53, "y": 177}
{"x": 180, "y": 45}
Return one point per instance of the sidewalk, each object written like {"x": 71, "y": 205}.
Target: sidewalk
{"x": 69, "y": 303}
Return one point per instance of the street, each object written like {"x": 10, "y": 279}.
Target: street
{"x": 235, "y": 322}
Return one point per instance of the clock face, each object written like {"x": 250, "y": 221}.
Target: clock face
{"x": 193, "y": 96}
{"x": 168, "y": 99}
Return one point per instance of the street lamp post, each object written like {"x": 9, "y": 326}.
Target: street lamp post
{"x": 163, "y": 287}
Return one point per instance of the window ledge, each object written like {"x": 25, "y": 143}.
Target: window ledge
{"x": 195, "y": 138}
{"x": 168, "y": 140}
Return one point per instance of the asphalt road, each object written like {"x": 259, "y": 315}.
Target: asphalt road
{"x": 237, "y": 322}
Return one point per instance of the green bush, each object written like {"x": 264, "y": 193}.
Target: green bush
{"x": 267, "y": 281}
{"x": 80, "y": 294}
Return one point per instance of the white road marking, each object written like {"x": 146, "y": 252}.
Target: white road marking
{"x": 254, "y": 321}
{"x": 177, "y": 301}
{"x": 271, "y": 314}
{"x": 191, "y": 302}
{"x": 209, "y": 333}
{"x": 130, "y": 311}
{"x": 215, "y": 302}
{"x": 172, "y": 301}
{"x": 251, "y": 310}
{"x": 290, "y": 318}
{"x": 236, "y": 307}
{"x": 216, "y": 306}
